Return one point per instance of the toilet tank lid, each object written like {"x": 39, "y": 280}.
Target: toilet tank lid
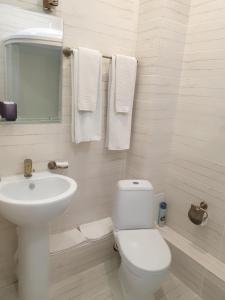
{"x": 135, "y": 184}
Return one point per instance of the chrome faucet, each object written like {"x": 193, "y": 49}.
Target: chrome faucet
{"x": 27, "y": 167}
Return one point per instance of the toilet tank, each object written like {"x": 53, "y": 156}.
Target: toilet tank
{"x": 134, "y": 205}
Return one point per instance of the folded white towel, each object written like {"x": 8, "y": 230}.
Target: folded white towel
{"x": 86, "y": 125}
{"x": 98, "y": 229}
{"x": 89, "y": 78}
{"x": 126, "y": 70}
{"x": 65, "y": 240}
{"x": 118, "y": 124}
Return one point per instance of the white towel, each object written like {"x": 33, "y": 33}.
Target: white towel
{"x": 89, "y": 78}
{"x": 126, "y": 70}
{"x": 118, "y": 124}
{"x": 86, "y": 125}
{"x": 98, "y": 229}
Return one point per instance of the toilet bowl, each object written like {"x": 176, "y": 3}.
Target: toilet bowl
{"x": 145, "y": 260}
{"x": 145, "y": 256}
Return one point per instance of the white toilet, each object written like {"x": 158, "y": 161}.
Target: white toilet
{"x": 145, "y": 256}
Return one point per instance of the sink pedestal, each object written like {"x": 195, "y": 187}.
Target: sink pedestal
{"x": 32, "y": 203}
{"x": 33, "y": 257}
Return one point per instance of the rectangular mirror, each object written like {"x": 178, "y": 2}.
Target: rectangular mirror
{"x": 31, "y": 64}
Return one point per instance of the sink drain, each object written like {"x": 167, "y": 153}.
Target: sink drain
{"x": 31, "y": 186}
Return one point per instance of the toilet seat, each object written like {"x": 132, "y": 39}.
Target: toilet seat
{"x": 144, "y": 251}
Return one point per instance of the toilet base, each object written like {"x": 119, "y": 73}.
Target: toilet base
{"x": 129, "y": 293}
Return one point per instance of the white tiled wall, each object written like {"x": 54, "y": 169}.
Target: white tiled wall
{"x": 161, "y": 37}
{"x": 109, "y": 26}
{"x": 179, "y": 124}
{"x": 197, "y": 166}
{"x": 179, "y": 112}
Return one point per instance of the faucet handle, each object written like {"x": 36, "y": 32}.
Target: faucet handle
{"x": 53, "y": 165}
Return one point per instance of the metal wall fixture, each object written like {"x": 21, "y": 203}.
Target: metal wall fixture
{"x": 49, "y": 4}
{"x": 53, "y": 165}
{"x": 198, "y": 214}
{"x": 68, "y": 52}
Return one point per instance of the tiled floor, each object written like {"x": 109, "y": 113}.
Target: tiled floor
{"x": 174, "y": 289}
{"x": 101, "y": 283}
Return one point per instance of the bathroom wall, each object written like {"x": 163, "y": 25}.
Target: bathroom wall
{"x": 109, "y": 26}
{"x": 179, "y": 111}
{"x": 178, "y": 130}
{"x": 197, "y": 164}
{"x": 161, "y": 36}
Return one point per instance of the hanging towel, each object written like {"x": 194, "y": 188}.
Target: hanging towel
{"x": 126, "y": 69}
{"x": 98, "y": 229}
{"x": 89, "y": 78}
{"x": 86, "y": 125}
{"x": 118, "y": 124}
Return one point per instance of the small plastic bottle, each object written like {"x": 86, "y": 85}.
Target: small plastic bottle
{"x": 162, "y": 214}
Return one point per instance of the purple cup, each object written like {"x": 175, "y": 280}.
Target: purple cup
{"x": 9, "y": 111}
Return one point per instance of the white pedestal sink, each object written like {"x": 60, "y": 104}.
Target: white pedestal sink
{"x": 32, "y": 203}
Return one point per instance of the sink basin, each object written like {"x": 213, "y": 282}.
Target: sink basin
{"x": 37, "y": 199}
{"x": 32, "y": 203}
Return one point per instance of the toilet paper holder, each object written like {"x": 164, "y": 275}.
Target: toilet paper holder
{"x": 198, "y": 214}
{"x": 49, "y": 4}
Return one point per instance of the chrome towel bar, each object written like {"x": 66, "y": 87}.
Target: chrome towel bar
{"x": 68, "y": 52}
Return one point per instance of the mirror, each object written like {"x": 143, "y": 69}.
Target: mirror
{"x": 30, "y": 65}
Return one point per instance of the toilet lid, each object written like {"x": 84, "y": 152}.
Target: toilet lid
{"x": 144, "y": 249}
